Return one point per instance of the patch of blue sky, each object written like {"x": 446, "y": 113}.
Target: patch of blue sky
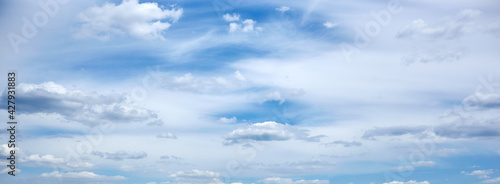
{"x": 215, "y": 59}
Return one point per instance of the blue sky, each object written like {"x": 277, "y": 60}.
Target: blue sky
{"x": 262, "y": 92}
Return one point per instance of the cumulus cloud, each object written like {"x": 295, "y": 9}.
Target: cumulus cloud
{"x": 236, "y": 25}
{"x": 483, "y": 100}
{"x": 120, "y": 155}
{"x": 344, "y": 143}
{"x": 408, "y": 182}
{"x": 82, "y": 176}
{"x": 278, "y": 180}
{"x": 5, "y": 150}
{"x": 197, "y": 176}
{"x": 394, "y": 131}
{"x": 434, "y": 56}
{"x": 283, "y": 9}
{"x": 269, "y": 131}
{"x": 329, "y": 25}
{"x": 45, "y": 159}
{"x": 48, "y": 160}
{"x": 75, "y": 105}
{"x": 470, "y": 130}
{"x": 231, "y": 18}
{"x": 453, "y": 28}
{"x": 246, "y": 26}
{"x": 279, "y": 95}
{"x": 167, "y": 135}
{"x": 227, "y": 120}
{"x": 141, "y": 20}
{"x": 456, "y": 130}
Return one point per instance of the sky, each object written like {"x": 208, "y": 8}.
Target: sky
{"x": 252, "y": 92}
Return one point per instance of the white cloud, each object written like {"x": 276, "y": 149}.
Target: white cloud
{"x": 140, "y": 20}
{"x": 279, "y": 95}
{"x": 167, "y": 135}
{"x": 458, "y": 26}
{"x": 238, "y": 76}
{"x": 52, "y": 161}
{"x": 5, "y": 150}
{"x": 394, "y": 131}
{"x": 494, "y": 180}
{"x": 120, "y": 155}
{"x": 272, "y": 96}
{"x": 268, "y": 131}
{"x": 82, "y": 176}
{"x": 231, "y": 18}
{"x": 75, "y": 105}
{"x": 329, "y": 25}
{"x": 278, "y": 180}
{"x": 233, "y": 27}
{"x": 423, "y": 163}
{"x": 197, "y": 176}
{"x": 468, "y": 130}
{"x": 227, "y": 120}
{"x": 413, "y": 165}
{"x": 283, "y": 9}
{"x": 188, "y": 82}
{"x": 246, "y": 26}
{"x": 408, "y": 182}
{"x": 344, "y": 143}
{"x": 482, "y": 174}
{"x": 485, "y": 100}
{"x": 479, "y": 172}
{"x": 435, "y": 56}
{"x": 49, "y": 159}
